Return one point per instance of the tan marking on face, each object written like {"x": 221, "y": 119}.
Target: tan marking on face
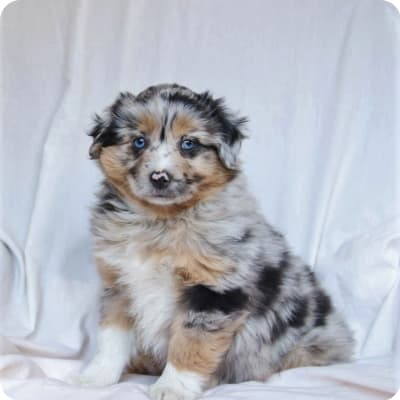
{"x": 111, "y": 164}
{"x": 214, "y": 176}
{"x": 199, "y": 351}
{"x": 183, "y": 125}
{"x": 117, "y": 173}
{"x": 148, "y": 123}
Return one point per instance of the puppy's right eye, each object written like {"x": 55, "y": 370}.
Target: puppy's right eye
{"x": 187, "y": 145}
{"x": 139, "y": 143}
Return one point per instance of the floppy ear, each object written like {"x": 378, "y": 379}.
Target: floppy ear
{"x": 229, "y": 154}
{"x": 227, "y": 126}
{"x": 98, "y": 132}
{"x": 105, "y": 129}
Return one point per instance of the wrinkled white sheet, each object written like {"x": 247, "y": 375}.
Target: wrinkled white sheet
{"x": 320, "y": 83}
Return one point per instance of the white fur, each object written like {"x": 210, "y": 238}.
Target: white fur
{"x": 154, "y": 295}
{"x": 162, "y": 158}
{"x": 177, "y": 385}
{"x": 114, "y": 348}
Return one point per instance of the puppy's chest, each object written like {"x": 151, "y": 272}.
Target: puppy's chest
{"x": 154, "y": 291}
{"x": 180, "y": 250}
{"x": 155, "y": 270}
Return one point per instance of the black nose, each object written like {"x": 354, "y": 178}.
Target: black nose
{"x": 160, "y": 179}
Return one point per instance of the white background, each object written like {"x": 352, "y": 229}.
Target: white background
{"x": 320, "y": 84}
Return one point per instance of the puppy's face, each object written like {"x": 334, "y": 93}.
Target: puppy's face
{"x": 167, "y": 146}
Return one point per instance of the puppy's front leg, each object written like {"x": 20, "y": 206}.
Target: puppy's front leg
{"x": 115, "y": 342}
{"x": 200, "y": 337}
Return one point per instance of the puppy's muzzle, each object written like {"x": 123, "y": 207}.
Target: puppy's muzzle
{"x": 160, "y": 179}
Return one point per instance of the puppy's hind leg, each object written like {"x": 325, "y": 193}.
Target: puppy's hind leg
{"x": 115, "y": 340}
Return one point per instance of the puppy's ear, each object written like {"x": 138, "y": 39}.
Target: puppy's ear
{"x": 229, "y": 146}
{"x": 98, "y": 132}
{"x": 106, "y": 127}
{"x": 227, "y": 126}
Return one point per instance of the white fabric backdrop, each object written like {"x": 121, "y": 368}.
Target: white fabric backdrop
{"x": 320, "y": 83}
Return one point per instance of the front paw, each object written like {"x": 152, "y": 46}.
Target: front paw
{"x": 94, "y": 375}
{"x": 174, "y": 384}
{"x": 163, "y": 392}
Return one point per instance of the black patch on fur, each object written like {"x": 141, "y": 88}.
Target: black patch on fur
{"x": 110, "y": 136}
{"x": 299, "y": 312}
{"x": 162, "y": 134}
{"x": 103, "y": 134}
{"x": 201, "y": 298}
{"x": 296, "y": 318}
{"x": 269, "y": 284}
{"x": 323, "y": 307}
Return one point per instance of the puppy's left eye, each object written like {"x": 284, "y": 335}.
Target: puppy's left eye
{"x": 187, "y": 145}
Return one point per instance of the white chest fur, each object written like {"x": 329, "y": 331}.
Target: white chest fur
{"x": 154, "y": 297}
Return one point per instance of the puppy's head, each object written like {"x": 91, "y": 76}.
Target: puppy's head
{"x": 167, "y": 146}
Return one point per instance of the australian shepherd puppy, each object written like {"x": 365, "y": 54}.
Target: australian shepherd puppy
{"x": 197, "y": 286}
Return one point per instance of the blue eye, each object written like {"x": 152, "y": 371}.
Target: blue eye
{"x": 139, "y": 143}
{"x": 187, "y": 144}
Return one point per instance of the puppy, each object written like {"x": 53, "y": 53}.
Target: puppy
{"x": 197, "y": 286}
